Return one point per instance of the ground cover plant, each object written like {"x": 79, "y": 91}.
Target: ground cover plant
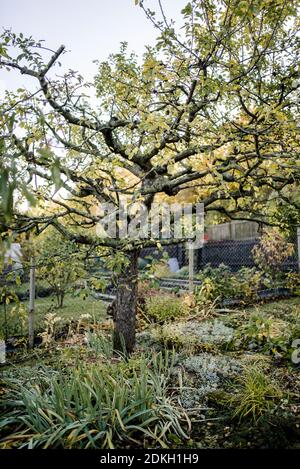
{"x": 197, "y": 381}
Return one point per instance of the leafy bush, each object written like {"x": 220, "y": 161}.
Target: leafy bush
{"x": 161, "y": 269}
{"x": 266, "y": 335}
{"x": 60, "y": 264}
{"x": 156, "y": 268}
{"x": 208, "y": 332}
{"x": 257, "y": 329}
{"x": 52, "y": 322}
{"x": 183, "y": 272}
{"x": 293, "y": 282}
{"x": 147, "y": 288}
{"x": 272, "y": 251}
{"x": 170, "y": 336}
{"x": 216, "y": 283}
{"x": 219, "y": 274}
{"x": 165, "y": 307}
{"x": 17, "y": 320}
{"x": 255, "y": 395}
{"x": 247, "y": 282}
{"x": 220, "y": 283}
{"x": 190, "y": 337}
{"x": 9, "y": 322}
{"x": 94, "y": 406}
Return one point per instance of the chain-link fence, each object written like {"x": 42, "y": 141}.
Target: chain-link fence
{"x": 233, "y": 252}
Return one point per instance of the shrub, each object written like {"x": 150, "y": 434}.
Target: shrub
{"x": 216, "y": 284}
{"x": 162, "y": 269}
{"x": 157, "y": 268}
{"x": 247, "y": 282}
{"x": 147, "y": 288}
{"x": 257, "y": 329}
{"x": 293, "y": 282}
{"x": 192, "y": 336}
{"x": 182, "y": 272}
{"x": 60, "y": 264}
{"x": 267, "y": 335}
{"x": 165, "y": 307}
{"x": 17, "y": 320}
{"x": 52, "y": 321}
{"x": 221, "y": 366}
{"x": 170, "y": 336}
{"x": 9, "y": 322}
{"x": 220, "y": 283}
{"x": 219, "y": 274}
{"x": 208, "y": 332}
{"x": 272, "y": 251}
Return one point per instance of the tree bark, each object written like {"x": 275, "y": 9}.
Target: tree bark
{"x": 61, "y": 300}
{"x": 126, "y": 306}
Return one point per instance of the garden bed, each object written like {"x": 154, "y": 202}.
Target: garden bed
{"x": 204, "y": 370}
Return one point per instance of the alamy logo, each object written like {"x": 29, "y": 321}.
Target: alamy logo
{"x": 296, "y": 353}
{"x": 133, "y": 221}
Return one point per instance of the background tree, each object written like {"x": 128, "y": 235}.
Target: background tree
{"x": 60, "y": 264}
{"x": 215, "y": 109}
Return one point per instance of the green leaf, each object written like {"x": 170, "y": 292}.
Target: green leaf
{"x": 55, "y": 172}
{"x": 6, "y": 191}
{"x": 29, "y": 196}
{"x": 11, "y": 121}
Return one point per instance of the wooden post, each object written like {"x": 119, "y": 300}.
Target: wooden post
{"x": 191, "y": 266}
{"x": 233, "y": 224}
{"x": 298, "y": 246}
{"x": 31, "y": 304}
{"x": 2, "y": 351}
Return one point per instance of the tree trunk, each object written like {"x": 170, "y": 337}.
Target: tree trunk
{"x": 126, "y": 305}
{"x": 61, "y": 300}
{"x": 60, "y": 295}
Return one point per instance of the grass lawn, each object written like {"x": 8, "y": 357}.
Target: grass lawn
{"x": 281, "y": 309}
{"x": 284, "y": 313}
{"x": 73, "y": 308}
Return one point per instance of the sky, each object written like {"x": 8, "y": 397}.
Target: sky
{"x": 90, "y": 29}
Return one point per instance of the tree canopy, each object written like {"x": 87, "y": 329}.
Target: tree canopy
{"x": 213, "y": 107}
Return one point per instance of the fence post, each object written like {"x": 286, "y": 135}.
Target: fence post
{"x": 298, "y": 245}
{"x": 31, "y": 304}
{"x": 191, "y": 266}
{"x": 232, "y": 229}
